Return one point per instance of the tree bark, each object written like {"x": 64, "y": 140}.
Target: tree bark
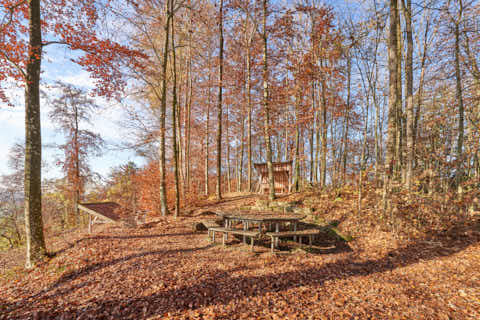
{"x": 35, "y": 240}
{"x": 409, "y": 83}
{"x": 347, "y": 116}
{"x": 249, "y": 120}
{"x": 266, "y": 107}
{"x": 459, "y": 97}
{"x": 163, "y": 108}
{"x": 296, "y": 181}
{"x": 392, "y": 100}
{"x": 207, "y": 129}
{"x": 323, "y": 156}
{"x": 174, "y": 120}
{"x": 219, "y": 109}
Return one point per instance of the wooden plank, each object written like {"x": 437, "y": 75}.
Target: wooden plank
{"x": 235, "y": 231}
{"x": 293, "y": 233}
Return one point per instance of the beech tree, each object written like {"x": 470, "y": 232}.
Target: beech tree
{"x": 28, "y": 28}
{"x": 71, "y": 110}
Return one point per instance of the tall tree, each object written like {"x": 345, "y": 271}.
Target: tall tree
{"x": 392, "y": 100}
{"x": 266, "y": 107}
{"x": 70, "y": 110}
{"x": 67, "y": 23}
{"x": 219, "y": 106}
{"x": 174, "y": 113}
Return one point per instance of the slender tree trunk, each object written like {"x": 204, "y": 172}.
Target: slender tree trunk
{"x": 296, "y": 181}
{"x": 219, "y": 108}
{"x": 163, "y": 108}
{"x": 317, "y": 141}
{"x": 459, "y": 97}
{"x": 229, "y": 186}
{"x": 33, "y": 141}
{"x": 323, "y": 160}
{"x": 362, "y": 159}
{"x": 420, "y": 90}
{"x": 249, "y": 120}
{"x": 392, "y": 100}
{"x": 174, "y": 120}
{"x": 398, "y": 103}
{"x": 207, "y": 129}
{"x": 266, "y": 107}
{"x": 242, "y": 151}
{"x": 189, "y": 111}
{"x": 347, "y": 116}
{"x": 312, "y": 131}
{"x": 409, "y": 84}
{"x": 76, "y": 183}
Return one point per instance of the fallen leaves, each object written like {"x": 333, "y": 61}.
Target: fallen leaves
{"x": 168, "y": 272}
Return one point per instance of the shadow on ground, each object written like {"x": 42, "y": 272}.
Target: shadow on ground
{"x": 217, "y": 287}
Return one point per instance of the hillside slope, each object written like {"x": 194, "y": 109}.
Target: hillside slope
{"x": 165, "y": 270}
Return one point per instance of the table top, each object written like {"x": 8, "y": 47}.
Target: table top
{"x": 261, "y": 216}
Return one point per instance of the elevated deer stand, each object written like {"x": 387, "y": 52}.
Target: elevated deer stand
{"x": 281, "y": 176}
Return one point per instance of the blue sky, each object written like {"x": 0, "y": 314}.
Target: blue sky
{"x": 56, "y": 65}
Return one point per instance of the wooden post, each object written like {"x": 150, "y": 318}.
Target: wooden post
{"x": 245, "y": 226}
{"x": 223, "y": 240}
{"x": 277, "y": 229}
{"x": 295, "y": 229}
{"x": 89, "y": 223}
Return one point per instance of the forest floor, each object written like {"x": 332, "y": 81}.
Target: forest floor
{"x": 165, "y": 270}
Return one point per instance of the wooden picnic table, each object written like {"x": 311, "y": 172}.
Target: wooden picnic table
{"x": 260, "y": 218}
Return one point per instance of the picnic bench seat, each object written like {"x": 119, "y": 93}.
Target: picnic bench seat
{"x": 226, "y": 231}
{"x": 286, "y": 234}
{"x": 210, "y": 223}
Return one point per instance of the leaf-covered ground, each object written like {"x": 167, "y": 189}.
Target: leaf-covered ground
{"x": 167, "y": 271}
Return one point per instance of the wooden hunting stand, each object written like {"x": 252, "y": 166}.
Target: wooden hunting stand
{"x": 281, "y": 176}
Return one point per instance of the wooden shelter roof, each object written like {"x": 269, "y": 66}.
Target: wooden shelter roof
{"x": 277, "y": 166}
{"x": 110, "y": 211}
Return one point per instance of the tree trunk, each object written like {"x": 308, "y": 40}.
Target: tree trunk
{"x": 174, "y": 120}
{"x": 459, "y": 97}
{"x": 398, "y": 103}
{"x": 189, "y": 111}
{"x": 347, "y": 114}
{"x": 229, "y": 186}
{"x": 163, "y": 107}
{"x": 76, "y": 183}
{"x": 409, "y": 83}
{"x": 33, "y": 141}
{"x": 219, "y": 109}
{"x": 420, "y": 89}
{"x": 392, "y": 100}
{"x": 249, "y": 121}
{"x": 312, "y": 131}
{"x": 266, "y": 107}
{"x": 296, "y": 181}
{"x": 207, "y": 129}
{"x": 323, "y": 159}
{"x": 240, "y": 165}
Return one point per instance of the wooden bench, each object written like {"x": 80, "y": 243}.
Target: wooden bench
{"x": 286, "y": 234}
{"x": 226, "y": 231}
{"x": 210, "y": 224}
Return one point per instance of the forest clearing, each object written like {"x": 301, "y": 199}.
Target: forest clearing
{"x": 229, "y": 159}
{"x": 165, "y": 270}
